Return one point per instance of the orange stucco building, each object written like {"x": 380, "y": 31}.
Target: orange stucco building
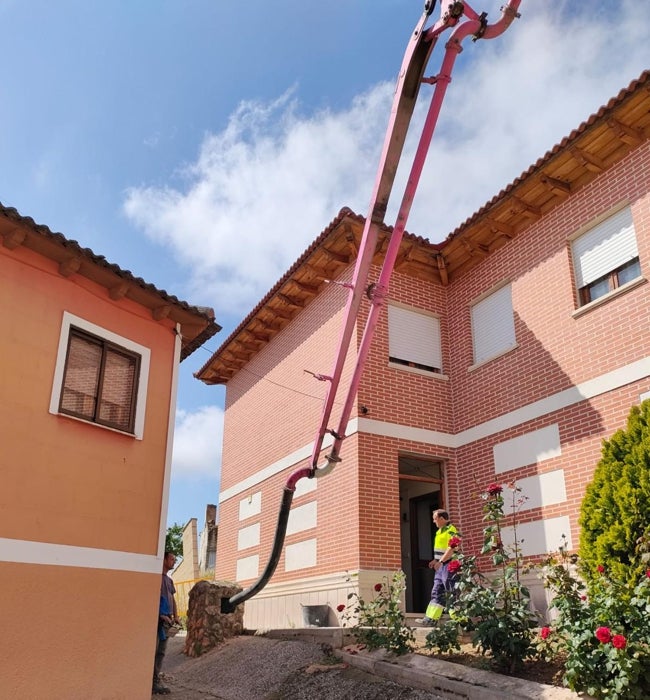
{"x": 505, "y": 353}
{"x": 89, "y": 360}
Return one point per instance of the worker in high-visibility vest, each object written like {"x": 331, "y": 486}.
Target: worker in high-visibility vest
{"x": 445, "y": 542}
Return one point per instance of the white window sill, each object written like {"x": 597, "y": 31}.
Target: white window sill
{"x": 608, "y": 297}
{"x": 494, "y": 357}
{"x": 416, "y": 370}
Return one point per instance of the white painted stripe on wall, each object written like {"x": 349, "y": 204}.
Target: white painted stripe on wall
{"x": 248, "y": 536}
{"x": 300, "y": 555}
{"x": 277, "y": 467}
{"x": 47, "y": 554}
{"x": 531, "y": 448}
{"x": 540, "y": 536}
{"x": 405, "y": 432}
{"x": 545, "y": 489}
{"x": 250, "y": 506}
{"x": 594, "y": 387}
{"x": 248, "y": 567}
{"x": 302, "y": 518}
{"x": 587, "y": 390}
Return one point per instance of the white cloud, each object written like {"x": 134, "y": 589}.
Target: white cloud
{"x": 261, "y": 190}
{"x": 197, "y": 442}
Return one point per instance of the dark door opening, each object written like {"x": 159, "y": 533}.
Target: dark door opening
{"x": 421, "y": 509}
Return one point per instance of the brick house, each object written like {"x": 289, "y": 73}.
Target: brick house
{"x": 89, "y": 358}
{"x": 506, "y": 353}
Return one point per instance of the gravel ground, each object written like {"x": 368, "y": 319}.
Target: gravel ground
{"x": 259, "y": 668}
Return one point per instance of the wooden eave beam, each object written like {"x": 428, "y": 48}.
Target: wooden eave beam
{"x": 14, "y": 238}
{"x": 255, "y": 337}
{"x": 519, "y": 206}
{"x": 442, "y": 269}
{"x": 475, "y": 248}
{"x": 119, "y": 291}
{"x": 161, "y": 312}
{"x": 298, "y": 303}
{"x": 279, "y": 311}
{"x": 69, "y": 266}
{"x": 557, "y": 187}
{"x": 587, "y": 160}
{"x": 245, "y": 346}
{"x": 351, "y": 241}
{"x": 625, "y": 133}
{"x": 404, "y": 256}
{"x": 306, "y": 288}
{"x": 497, "y": 226}
{"x": 338, "y": 257}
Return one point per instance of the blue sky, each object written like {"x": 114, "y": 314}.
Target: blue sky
{"x": 204, "y": 144}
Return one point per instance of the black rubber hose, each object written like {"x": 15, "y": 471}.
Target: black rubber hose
{"x": 229, "y": 604}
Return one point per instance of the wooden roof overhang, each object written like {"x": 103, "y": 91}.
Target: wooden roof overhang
{"x": 197, "y": 323}
{"x": 595, "y": 146}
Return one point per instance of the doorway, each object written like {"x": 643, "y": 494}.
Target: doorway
{"x": 420, "y": 493}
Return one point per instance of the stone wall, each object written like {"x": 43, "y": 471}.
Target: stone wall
{"x": 207, "y": 626}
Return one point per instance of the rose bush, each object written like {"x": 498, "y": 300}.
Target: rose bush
{"x": 604, "y": 635}
{"x": 495, "y": 610}
{"x": 380, "y": 622}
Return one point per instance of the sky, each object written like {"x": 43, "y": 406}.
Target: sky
{"x": 204, "y": 144}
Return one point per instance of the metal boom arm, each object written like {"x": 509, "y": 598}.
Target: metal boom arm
{"x": 464, "y": 22}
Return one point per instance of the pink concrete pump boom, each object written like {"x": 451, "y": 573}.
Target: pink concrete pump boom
{"x": 464, "y": 22}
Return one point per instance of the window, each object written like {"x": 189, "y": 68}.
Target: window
{"x": 100, "y": 381}
{"x": 414, "y": 339}
{"x": 493, "y": 325}
{"x": 100, "y": 377}
{"x": 606, "y": 257}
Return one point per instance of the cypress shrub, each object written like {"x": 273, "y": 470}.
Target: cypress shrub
{"x": 615, "y": 511}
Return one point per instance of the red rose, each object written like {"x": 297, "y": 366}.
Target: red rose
{"x": 378, "y": 587}
{"x": 647, "y": 573}
{"x": 600, "y": 569}
{"x": 340, "y": 607}
{"x": 494, "y": 489}
{"x": 453, "y": 566}
{"x": 603, "y": 635}
{"x": 619, "y": 641}
{"x": 583, "y": 597}
{"x": 454, "y": 541}
{"x": 544, "y": 632}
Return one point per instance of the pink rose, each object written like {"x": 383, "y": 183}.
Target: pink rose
{"x": 544, "y": 632}
{"x": 600, "y": 569}
{"x": 619, "y": 641}
{"x": 378, "y": 587}
{"x": 340, "y": 607}
{"x": 453, "y": 566}
{"x": 603, "y": 635}
{"x": 647, "y": 573}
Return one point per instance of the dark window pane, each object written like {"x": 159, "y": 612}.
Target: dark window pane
{"x": 629, "y": 272}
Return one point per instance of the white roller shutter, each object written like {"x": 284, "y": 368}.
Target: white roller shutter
{"x": 604, "y": 248}
{"x": 414, "y": 337}
{"x": 493, "y": 325}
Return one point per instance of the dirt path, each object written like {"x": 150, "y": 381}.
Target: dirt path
{"x": 258, "y": 668}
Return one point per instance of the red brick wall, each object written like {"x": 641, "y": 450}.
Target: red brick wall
{"x": 273, "y": 407}
{"x": 555, "y": 350}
